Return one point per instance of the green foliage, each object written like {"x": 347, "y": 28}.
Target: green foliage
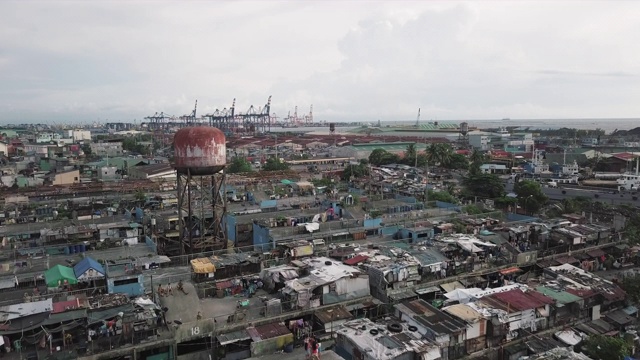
{"x": 483, "y": 185}
{"x": 631, "y": 285}
{"x": 439, "y": 154}
{"x": 274, "y": 164}
{"x": 505, "y": 201}
{"x": 457, "y": 162}
{"x": 442, "y": 196}
{"x": 239, "y": 165}
{"x": 352, "y": 172}
{"x": 140, "y": 195}
{"x": 602, "y": 347}
{"x": 382, "y": 157}
{"x": 530, "y": 196}
{"x": 410, "y": 155}
{"x": 86, "y": 149}
{"x": 321, "y": 182}
{"x": 472, "y": 209}
{"x": 132, "y": 144}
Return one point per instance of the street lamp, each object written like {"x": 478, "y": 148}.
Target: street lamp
{"x": 525, "y": 203}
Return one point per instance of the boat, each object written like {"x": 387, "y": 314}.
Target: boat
{"x": 630, "y": 180}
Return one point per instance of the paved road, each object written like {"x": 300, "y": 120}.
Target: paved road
{"x": 604, "y": 196}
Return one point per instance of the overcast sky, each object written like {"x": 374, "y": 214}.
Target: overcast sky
{"x": 354, "y": 61}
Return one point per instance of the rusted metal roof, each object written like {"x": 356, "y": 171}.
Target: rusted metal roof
{"x": 518, "y": 300}
{"x": 268, "y": 331}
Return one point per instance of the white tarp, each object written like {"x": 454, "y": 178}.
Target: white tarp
{"x": 463, "y": 296}
{"x": 311, "y": 227}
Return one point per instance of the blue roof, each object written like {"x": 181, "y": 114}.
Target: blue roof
{"x": 86, "y": 264}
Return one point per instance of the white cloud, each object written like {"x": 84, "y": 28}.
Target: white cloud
{"x": 352, "y": 60}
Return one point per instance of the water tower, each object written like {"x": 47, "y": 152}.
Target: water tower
{"x": 200, "y": 159}
{"x": 463, "y": 133}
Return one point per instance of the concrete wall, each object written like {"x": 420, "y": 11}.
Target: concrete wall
{"x": 261, "y": 238}
{"x": 67, "y": 178}
{"x": 372, "y": 223}
{"x": 134, "y": 289}
{"x": 230, "y": 222}
{"x": 270, "y": 346}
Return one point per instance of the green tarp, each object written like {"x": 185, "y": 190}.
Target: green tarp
{"x": 286, "y": 182}
{"x": 59, "y": 273}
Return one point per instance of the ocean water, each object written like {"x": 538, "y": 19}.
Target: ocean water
{"x": 608, "y": 125}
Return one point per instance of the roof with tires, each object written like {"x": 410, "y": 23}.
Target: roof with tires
{"x": 429, "y": 317}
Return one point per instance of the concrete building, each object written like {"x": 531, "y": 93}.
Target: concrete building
{"x": 64, "y": 178}
{"x": 4, "y": 148}
{"x": 79, "y": 135}
{"x": 113, "y": 148}
{"x": 480, "y": 141}
{"x": 365, "y": 340}
{"x": 153, "y": 172}
{"x": 108, "y": 173}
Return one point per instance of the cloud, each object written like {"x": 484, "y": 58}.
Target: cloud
{"x": 70, "y": 61}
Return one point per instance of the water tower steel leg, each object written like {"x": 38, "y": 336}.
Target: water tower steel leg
{"x": 181, "y": 225}
{"x": 190, "y": 212}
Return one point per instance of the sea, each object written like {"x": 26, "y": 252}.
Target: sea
{"x": 609, "y": 125}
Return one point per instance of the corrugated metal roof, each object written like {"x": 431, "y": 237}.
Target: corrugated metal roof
{"x": 356, "y": 260}
{"x": 518, "y": 300}
{"x": 562, "y": 297}
{"x": 267, "y": 331}
{"x": 233, "y": 337}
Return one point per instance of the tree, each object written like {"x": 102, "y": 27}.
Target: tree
{"x": 382, "y": 157}
{"x": 530, "y": 196}
{"x": 140, "y": 196}
{"x": 86, "y": 149}
{"x": 274, "y": 164}
{"x": 239, "y": 165}
{"x": 410, "y": 155}
{"x": 438, "y": 153}
{"x": 442, "y": 196}
{"x": 631, "y": 285}
{"x": 483, "y": 185}
{"x": 352, "y": 172}
{"x": 457, "y": 162}
{"x": 602, "y": 347}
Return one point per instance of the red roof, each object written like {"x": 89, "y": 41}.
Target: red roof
{"x": 63, "y": 306}
{"x": 626, "y": 156}
{"x": 356, "y": 260}
{"x": 463, "y": 152}
{"x": 517, "y": 300}
{"x": 583, "y": 293}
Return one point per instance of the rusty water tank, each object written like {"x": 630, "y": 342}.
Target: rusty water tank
{"x": 200, "y": 150}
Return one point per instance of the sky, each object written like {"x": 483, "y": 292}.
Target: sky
{"x": 100, "y": 61}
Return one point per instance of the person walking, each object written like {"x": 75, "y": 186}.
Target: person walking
{"x": 307, "y": 347}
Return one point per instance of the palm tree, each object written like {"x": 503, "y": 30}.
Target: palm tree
{"x": 432, "y": 153}
{"x": 439, "y": 153}
{"x": 445, "y": 153}
{"x": 410, "y": 154}
{"x": 477, "y": 157}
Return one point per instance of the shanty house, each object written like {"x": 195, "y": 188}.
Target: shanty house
{"x": 88, "y": 270}
{"x": 447, "y": 331}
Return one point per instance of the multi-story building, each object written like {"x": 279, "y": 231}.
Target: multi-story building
{"x": 111, "y": 148}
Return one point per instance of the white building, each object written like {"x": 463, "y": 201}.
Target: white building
{"x": 480, "y": 141}
{"x": 153, "y": 172}
{"x": 107, "y": 148}
{"x": 366, "y": 340}
{"x": 4, "y": 148}
{"x": 333, "y": 281}
{"x": 79, "y": 135}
